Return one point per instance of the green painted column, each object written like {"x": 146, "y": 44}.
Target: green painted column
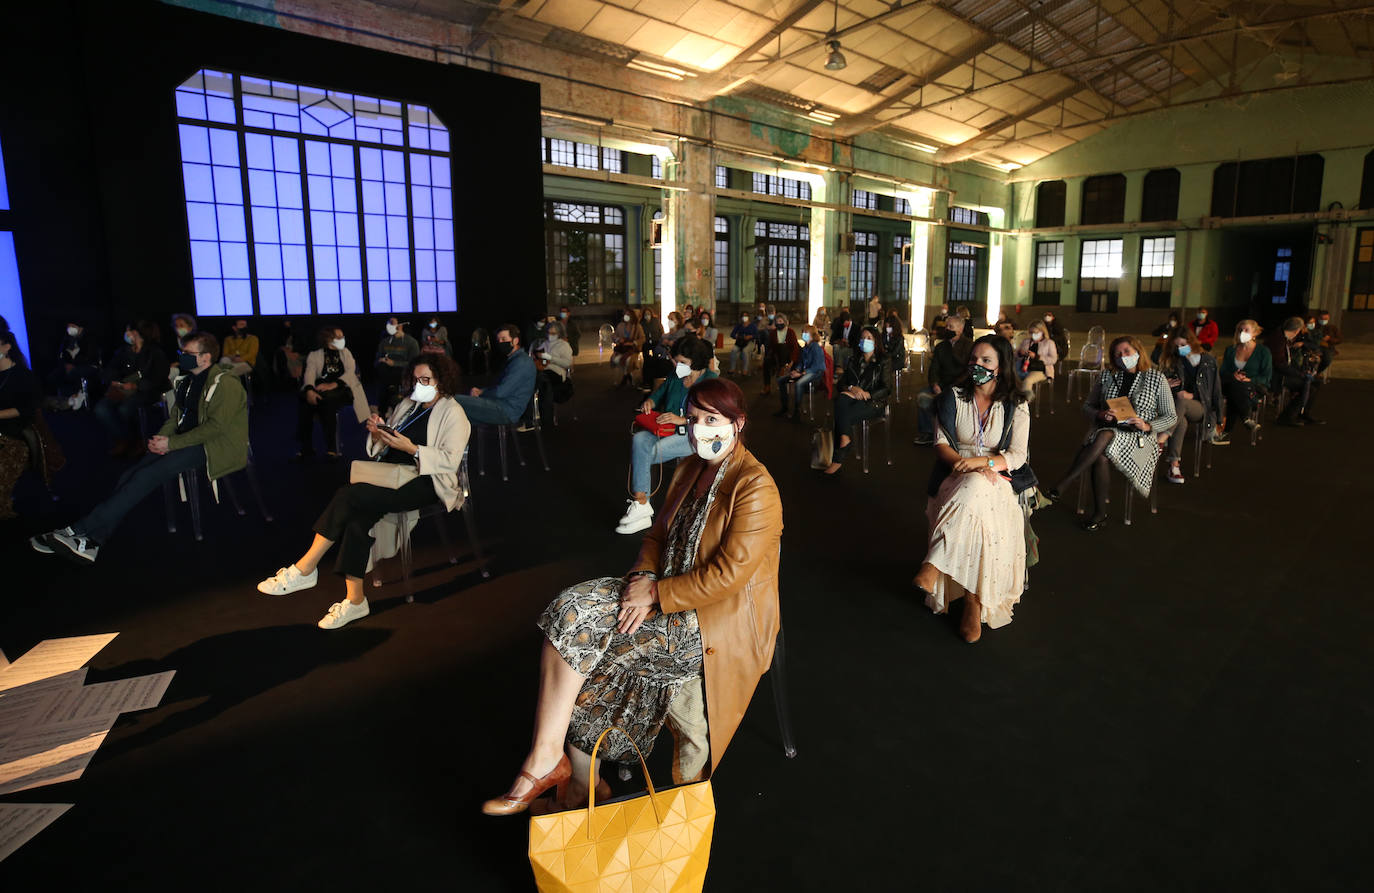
{"x": 689, "y": 242}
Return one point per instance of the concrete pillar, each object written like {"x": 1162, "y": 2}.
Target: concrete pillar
{"x": 827, "y": 265}
{"x": 689, "y": 238}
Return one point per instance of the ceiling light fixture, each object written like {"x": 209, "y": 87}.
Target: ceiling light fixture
{"x": 835, "y": 61}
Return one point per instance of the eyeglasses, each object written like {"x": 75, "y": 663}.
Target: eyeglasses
{"x": 423, "y": 379}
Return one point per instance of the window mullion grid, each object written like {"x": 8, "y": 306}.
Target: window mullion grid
{"x": 362, "y": 233}
{"x": 252, "y": 247}
{"x": 410, "y": 218}
{"x": 309, "y": 233}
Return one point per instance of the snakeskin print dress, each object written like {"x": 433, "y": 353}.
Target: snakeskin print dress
{"x": 630, "y": 679}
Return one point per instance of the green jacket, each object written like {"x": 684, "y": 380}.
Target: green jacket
{"x": 672, "y": 394}
{"x": 221, "y": 424}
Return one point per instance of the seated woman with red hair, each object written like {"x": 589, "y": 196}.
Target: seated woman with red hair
{"x": 699, "y": 608}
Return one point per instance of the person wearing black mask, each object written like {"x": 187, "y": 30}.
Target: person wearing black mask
{"x": 208, "y": 430}
{"x": 240, "y": 349}
{"x": 844, "y": 339}
{"x": 504, "y": 402}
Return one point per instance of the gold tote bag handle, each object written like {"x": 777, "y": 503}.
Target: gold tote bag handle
{"x": 591, "y": 779}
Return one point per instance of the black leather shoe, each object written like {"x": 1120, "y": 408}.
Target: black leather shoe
{"x": 1052, "y": 494}
{"x": 1092, "y": 525}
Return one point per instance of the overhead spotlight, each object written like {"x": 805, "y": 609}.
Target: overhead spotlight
{"x": 835, "y": 61}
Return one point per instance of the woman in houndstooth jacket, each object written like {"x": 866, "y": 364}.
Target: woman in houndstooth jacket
{"x": 1132, "y": 445}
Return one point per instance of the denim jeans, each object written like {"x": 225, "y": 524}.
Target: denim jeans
{"x": 925, "y": 411}
{"x": 482, "y": 411}
{"x": 648, "y": 449}
{"x": 740, "y": 358}
{"x": 137, "y": 481}
{"x": 798, "y": 390}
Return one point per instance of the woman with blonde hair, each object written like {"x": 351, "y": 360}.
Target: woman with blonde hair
{"x": 1036, "y": 357}
{"x": 1247, "y": 367}
{"x": 1131, "y": 444}
{"x": 1192, "y": 376}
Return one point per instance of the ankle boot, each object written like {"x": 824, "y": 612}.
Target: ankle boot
{"x": 972, "y": 624}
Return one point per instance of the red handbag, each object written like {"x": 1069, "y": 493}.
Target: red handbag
{"x": 649, "y": 422}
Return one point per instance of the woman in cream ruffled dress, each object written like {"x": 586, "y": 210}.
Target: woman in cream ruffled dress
{"x": 977, "y": 543}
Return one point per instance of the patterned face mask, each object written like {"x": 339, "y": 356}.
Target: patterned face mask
{"x": 980, "y": 374}
{"x": 713, "y": 441}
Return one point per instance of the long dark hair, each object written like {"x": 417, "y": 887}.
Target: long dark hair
{"x": 15, "y": 354}
{"x": 1005, "y": 388}
{"x": 878, "y": 352}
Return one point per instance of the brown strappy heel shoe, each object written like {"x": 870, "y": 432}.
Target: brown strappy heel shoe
{"x": 508, "y": 805}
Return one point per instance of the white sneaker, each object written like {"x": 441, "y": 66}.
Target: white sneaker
{"x": 78, "y": 546}
{"x": 41, "y": 542}
{"x": 77, "y": 400}
{"x": 639, "y": 516}
{"x": 288, "y": 580}
{"x": 1252, "y": 424}
{"x": 343, "y": 613}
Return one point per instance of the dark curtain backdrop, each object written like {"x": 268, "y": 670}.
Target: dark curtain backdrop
{"x": 87, "y": 124}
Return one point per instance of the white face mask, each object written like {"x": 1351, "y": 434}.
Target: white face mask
{"x": 433, "y": 325}
{"x": 1195, "y": 358}
{"x": 867, "y": 345}
{"x": 552, "y": 336}
{"x": 712, "y": 442}
{"x": 1244, "y": 336}
{"x": 423, "y": 393}
{"x": 390, "y": 329}
{"x": 1036, "y": 336}
{"x": 73, "y": 331}
{"x": 683, "y": 370}
{"x": 889, "y": 330}
{"x": 1128, "y": 360}
{"x": 706, "y": 320}
{"x": 744, "y": 320}
{"x": 337, "y": 344}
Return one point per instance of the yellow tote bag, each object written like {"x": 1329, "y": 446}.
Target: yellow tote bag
{"x": 659, "y": 843}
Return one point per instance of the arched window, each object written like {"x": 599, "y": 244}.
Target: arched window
{"x": 1050, "y": 198}
{"x": 1104, "y": 199}
{"x": 301, "y": 199}
{"x": 1159, "y": 200}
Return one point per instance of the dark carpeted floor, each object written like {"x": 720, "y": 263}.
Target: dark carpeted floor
{"x": 1180, "y": 705}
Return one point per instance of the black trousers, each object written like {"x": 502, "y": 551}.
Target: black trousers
{"x": 849, "y": 411}
{"x": 1240, "y": 399}
{"x": 327, "y": 408}
{"x": 356, "y": 507}
{"x": 1295, "y": 406}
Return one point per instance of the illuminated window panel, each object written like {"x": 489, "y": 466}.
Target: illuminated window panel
{"x": 1099, "y": 275}
{"x": 312, "y": 160}
{"x": 863, "y": 267}
{"x": 386, "y": 230}
{"x": 866, "y": 200}
{"x": 722, "y": 259}
{"x": 1049, "y": 272}
{"x": 901, "y": 272}
{"x": 655, "y": 167}
{"x": 336, "y": 246}
{"x": 11, "y": 297}
{"x": 1156, "y": 272}
{"x": 278, "y": 213}
{"x": 436, "y": 280}
{"x": 215, "y": 220}
{"x": 585, "y": 253}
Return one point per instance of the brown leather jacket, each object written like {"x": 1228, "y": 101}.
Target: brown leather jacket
{"x": 733, "y": 584}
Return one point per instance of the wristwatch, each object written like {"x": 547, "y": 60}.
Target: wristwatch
{"x": 991, "y": 463}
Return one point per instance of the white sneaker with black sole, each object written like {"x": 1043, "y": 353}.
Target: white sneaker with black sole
{"x": 639, "y": 516}
{"x": 41, "y": 542}
{"x": 76, "y": 547}
{"x": 288, "y": 580}
{"x": 343, "y": 613}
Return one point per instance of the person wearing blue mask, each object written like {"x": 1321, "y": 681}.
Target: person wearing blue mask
{"x": 810, "y": 367}
{"x": 1130, "y": 444}
{"x": 207, "y": 431}
{"x": 863, "y": 394}
{"x": 1194, "y": 380}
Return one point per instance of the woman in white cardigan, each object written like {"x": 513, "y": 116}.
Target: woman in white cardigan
{"x": 419, "y": 450}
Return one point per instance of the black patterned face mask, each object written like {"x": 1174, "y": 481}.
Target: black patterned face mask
{"x": 980, "y": 374}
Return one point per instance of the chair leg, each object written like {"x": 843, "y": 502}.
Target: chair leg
{"x": 170, "y": 502}
{"x": 515, "y": 442}
{"x": 501, "y": 448}
{"x": 1083, "y": 492}
{"x": 887, "y": 434}
{"x": 1130, "y": 500}
{"x": 863, "y": 432}
{"x": 405, "y": 566}
{"x": 444, "y": 538}
{"x": 257, "y": 491}
{"x": 539, "y": 442}
{"x": 778, "y": 672}
{"x": 193, "y": 496}
{"x": 233, "y": 496}
{"x": 481, "y": 450}
{"x": 470, "y": 521}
